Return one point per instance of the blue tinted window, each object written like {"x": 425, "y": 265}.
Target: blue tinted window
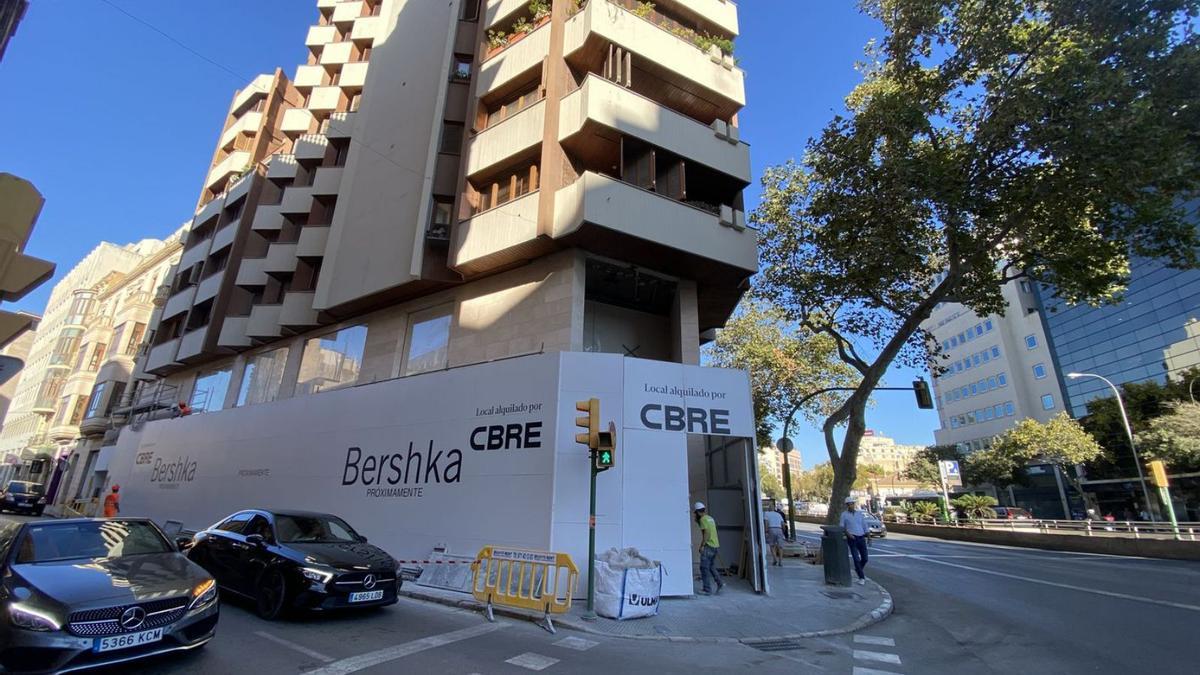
{"x": 1047, "y": 402}
{"x": 995, "y": 352}
{"x": 1009, "y": 409}
{"x": 1039, "y": 371}
{"x": 1002, "y": 379}
{"x": 1030, "y": 341}
{"x": 991, "y": 383}
{"x": 987, "y": 325}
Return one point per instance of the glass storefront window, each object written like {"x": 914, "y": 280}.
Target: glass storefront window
{"x": 262, "y": 377}
{"x": 428, "y": 341}
{"x": 332, "y": 360}
{"x": 209, "y": 392}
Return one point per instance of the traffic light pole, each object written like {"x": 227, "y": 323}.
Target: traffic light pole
{"x": 590, "y": 615}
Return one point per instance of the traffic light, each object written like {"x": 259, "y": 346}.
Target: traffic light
{"x": 605, "y": 454}
{"x": 921, "y": 389}
{"x": 1158, "y": 473}
{"x": 590, "y": 421}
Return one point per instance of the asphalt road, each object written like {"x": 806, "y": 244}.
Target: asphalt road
{"x": 976, "y": 608}
{"x": 959, "y": 608}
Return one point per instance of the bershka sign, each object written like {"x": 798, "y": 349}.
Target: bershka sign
{"x": 469, "y": 457}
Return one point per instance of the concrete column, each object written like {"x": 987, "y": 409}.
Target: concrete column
{"x": 685, "y": 325}
{"x": 555, "y": 78}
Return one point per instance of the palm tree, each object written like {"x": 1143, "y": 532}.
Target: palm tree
{"x": 923, "y": 512}
{"x": 976, "y": 507}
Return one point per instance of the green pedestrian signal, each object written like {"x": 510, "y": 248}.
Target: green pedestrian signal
{"x": 604, "y": 459}
{"x": 605, "y": 454}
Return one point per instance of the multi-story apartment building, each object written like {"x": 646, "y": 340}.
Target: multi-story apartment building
{"x": 120, "y": 310}
{"x": 470, "y": 191}
{"x": 998, "y": 369}
{"x": 773, "y": 462}
{"x": 450, "y": 198}
{"x": 51, "y": 397}
{"x": 886, "y": 453}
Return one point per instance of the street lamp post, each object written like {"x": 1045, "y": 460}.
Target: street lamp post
{"x": 1128, "y": 433}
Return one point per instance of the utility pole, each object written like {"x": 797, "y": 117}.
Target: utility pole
{"x": 602, "y": 449}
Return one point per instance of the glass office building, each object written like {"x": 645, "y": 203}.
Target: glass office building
{"x": 1154, "y": 333}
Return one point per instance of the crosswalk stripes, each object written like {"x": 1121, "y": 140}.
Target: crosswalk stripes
{"x": 532, "y": 661}
{"x": 874, "y": 657}
{"x": 882, "y": 657}
{"x": 874, "y": 640}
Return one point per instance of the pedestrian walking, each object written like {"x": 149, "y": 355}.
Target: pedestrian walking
{"x": 112, "y": 502}
{"x": 774, "y": 522}
{"x": 787, "y": 527}
{"x": 855, "y": 525}
{"x": 709, "y": 546}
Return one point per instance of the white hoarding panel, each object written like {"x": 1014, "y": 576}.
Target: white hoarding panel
{"x": 674, "y": 397}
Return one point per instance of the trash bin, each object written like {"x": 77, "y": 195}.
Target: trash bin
{"x": 836, "y": 553}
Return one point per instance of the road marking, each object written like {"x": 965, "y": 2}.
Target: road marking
{"x": 577, "y": 643}
{"x": 532, "y": 661}
{"x": 295, "y": 647}
{"x": 1094, "y": 591}
{"x": 859, "y": 670}
{"x": 882, "y": 657}
{"x": 364, "y": 661}
{"x": 874, "y": 640}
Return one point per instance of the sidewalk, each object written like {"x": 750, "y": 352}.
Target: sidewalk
{"x": 800, "y": 605}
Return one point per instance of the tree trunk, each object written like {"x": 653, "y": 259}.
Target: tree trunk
{"x": 845, "y": 467}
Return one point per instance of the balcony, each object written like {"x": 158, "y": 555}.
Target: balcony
{"x": 209, "y": 287}
{"x": 224, "y": 236}
{"x": 234, "y": 164}
{"x": 194, "y": 254}
{"x": 297, "y": 311}
{"x": 722, "y": 14}
{"x": 263, "y": 323}
{"x": 192, "y": 344}
{"x": 327, "y": 181}
{"x": 282, "y": 167}
{"x": 515, "y": 60}
{"x": 619, "y": 207}
{"x": 720, "y": 86}
{"x": 341, "y": 124}
{"x": 239, "y": 188}
{"x": 354, "y": 75}
{"x": 296, "y": 200}
{"x": 602, "y": 103}
{"x": 325, "y": 99}
{"x": 501, "y": 9}
{"x": 246, "y": 124}
{"x": 267, "y": 219}
{"x": 348, "y": 10}
{"x": 367, "y": 28}
{"x": 506, "y": 139}
{"x": 162, "y": 356}
{"x": 337, "y": 53}
{"x": 62, "y": 432}
{"x": 310, "y": 76}
{"x": 233, "y": 332}
{"x": 250, "y": 273}
{"x": 310, "y": 146}
{"x": 320, "y": 35}
{"x": 93, "y": 426}
{"x": 259, "y": 86}
{"x": 298, "y": 121}
{"x": 281, "y": 259}
{"x": 179, "y": 303}
{"x": 492, "y": 237}
{"x": 312, "y": 242}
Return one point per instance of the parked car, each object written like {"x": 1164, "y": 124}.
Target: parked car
{"x": 21, "y": 496}
{"x": 1012, "y": 513}
{"x": 875, "y": 526}
{"x": 88, "y": 592}
{"x": 285, "y": 560}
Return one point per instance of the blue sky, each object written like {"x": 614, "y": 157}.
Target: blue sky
{"x": 117, "y": 123}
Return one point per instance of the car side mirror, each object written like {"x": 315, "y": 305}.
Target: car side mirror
{"x": 255, "y": 539}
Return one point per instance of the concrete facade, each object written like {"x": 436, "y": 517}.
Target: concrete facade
{"x": 20, "y": 204}
{"x": 998, "y": 369}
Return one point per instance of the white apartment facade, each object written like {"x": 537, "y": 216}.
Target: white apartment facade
{"x": 998, "y": 369}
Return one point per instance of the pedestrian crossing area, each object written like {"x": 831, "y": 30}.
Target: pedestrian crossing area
{"x": 874, "y": 655}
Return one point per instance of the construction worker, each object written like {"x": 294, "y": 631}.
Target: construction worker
{"x": 709, "y": 544}
{"x": 112, "y": 503}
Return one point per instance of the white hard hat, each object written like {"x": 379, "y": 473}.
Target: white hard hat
{"x": 851, "y": 500}
{"x": 698, "y": 506}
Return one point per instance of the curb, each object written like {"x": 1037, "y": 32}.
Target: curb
{"x": 883, "y": 611}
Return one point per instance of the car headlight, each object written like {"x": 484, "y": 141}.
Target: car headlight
{"x": 316, "y": 574}
{"x": 31, "y": 619}
{"x": 203, "y": 594}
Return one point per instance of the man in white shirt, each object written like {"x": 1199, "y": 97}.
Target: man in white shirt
{"x": 855, "y": 524}
{"x": 774, "y": 523}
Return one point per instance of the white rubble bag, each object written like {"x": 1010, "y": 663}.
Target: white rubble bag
{"x": 628, "y": 584}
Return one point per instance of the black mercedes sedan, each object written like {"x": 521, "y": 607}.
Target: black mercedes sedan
{"x": 296, "y": 560}
{"x": 89, "y": 592}
{"x": 21, "y": 496}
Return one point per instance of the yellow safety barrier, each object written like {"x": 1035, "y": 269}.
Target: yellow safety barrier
{"x": 521, "y": 579}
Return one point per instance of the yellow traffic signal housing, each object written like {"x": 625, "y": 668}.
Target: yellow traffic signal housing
{"x": 1158, "y": 473}
{"x": 605, "y": 455}
{"x": 590, "y": 421}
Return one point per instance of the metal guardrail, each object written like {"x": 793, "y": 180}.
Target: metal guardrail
{"x": 1189, "y": 531}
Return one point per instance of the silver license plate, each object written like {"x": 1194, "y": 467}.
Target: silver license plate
{"x": 107, "y": 644}
{"x": 366, "y": 596}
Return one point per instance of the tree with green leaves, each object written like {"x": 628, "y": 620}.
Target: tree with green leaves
{"x": 976, "y": 507}
{"x": 816, "y": 484}
{"x": 771, "y": 487}
{"x": 989, "y": 141}
{"x": 923, "y": 511}
{"x": 923, "y": 468}
{"x": 1174, "y": 437}
{"x": 786, "y": 364}
{"x": 1061, "y": 441}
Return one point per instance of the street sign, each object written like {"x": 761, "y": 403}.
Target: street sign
{"x": 950, "y": 472}
{"x": 785, "y": 444}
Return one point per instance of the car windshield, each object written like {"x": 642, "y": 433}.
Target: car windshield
{"x": 313, "y": 530}
{"x": 24, "y": 487}
{"x": 47, "y": 542}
